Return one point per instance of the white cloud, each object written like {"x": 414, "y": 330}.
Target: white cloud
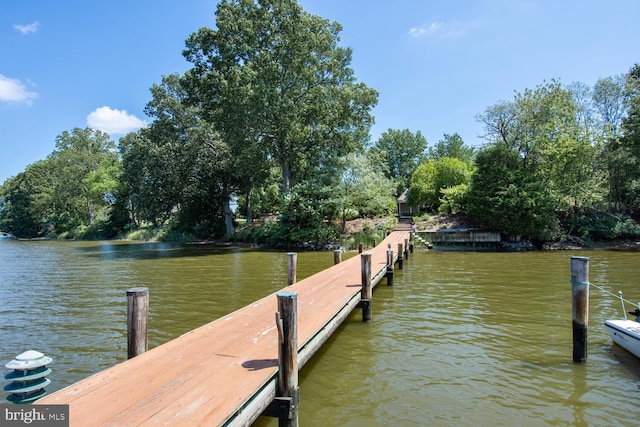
{"x": 444, "y": 30}
{"x": 29, "y": 28}
{"x": 13, "y": 91}
{"x": 113, "y": 121}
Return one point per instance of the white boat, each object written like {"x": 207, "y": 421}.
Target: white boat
{"x": 625, "y": 332}
{"x": 6, "y": 236}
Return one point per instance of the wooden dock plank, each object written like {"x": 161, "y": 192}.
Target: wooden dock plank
{"x": 204, "y": 376}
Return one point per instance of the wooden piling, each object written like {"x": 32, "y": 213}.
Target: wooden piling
{"x": 337, "y": 256}
{"x": 406, "y": 248}
{"x": 366, "y": 294}
{"x": 389, "y": 274}
{"x": 400, "y": 258}
{"x": 580, "y": 306}
{"x": 287, "y": 324}
{"x": 292, "y": 267}
{"x": 360, "y": 248}
{"x": 137, "y": 317}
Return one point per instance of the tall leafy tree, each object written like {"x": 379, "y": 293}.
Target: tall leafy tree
{"x": 630, "y": 141}
{"x": 274, "y": 79}
{"x": 68, "y": 190}
{"x": 28, "y": 201}
{"x": 150, "y": 185}
{"x": 85, "y": 163}
{"x": 401, "y": 151}
{"x": 203, "y": 161}
{"x": 541, "y": 126}
{"x": 422, "y": 189}
{"x": 610, "y": 100}
{"x": 508, "y": 198}
{"x": 539, "y": 162}
{"x": 361, "y": 190}
{"x": 452, "y": 146}
{"x": 585, "y": 110}
{"x": 433, "y": 178}
{"x": 178, "y": 164}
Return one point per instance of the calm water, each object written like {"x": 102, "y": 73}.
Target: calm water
{"x": 464, "y": 339}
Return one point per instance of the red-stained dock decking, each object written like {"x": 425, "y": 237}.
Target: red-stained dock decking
{"x": 224, "y": 372}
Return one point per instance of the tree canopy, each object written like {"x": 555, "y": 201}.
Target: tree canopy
{"x": 452, "y": 146}
{"x": 400, "y": 151}
{"x": 438, "y": 182}
{"x": 273, "y": 78}
{"x": 270, "y": 117}
{"x": 68, "y": 190}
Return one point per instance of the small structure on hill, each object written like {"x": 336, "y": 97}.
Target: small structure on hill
{"x": 405, "y": 209}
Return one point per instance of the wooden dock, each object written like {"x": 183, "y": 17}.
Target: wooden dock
{"x": 225, "y": 372}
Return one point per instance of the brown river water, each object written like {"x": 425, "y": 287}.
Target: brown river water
{"x": 461, "y": 339}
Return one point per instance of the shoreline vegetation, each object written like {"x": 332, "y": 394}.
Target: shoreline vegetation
{"x": 557, "y": 167}
{"x": 360, "y": 230}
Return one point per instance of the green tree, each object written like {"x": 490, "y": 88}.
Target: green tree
{"x": 265, "y": 196}
{"x": 151, "y": 187}
{"x": 631, "y": 123}
{"x": 452, "y": 146}
{"x": 630, "y": 142}
{"x": 610, "y": 100}
{"x": 609, "y": 104}
{"x": 541, "y": 125}
{"x": 68, "y": 191}
{"x": 422, "y": 189}
{"x": 433, "y": 181}
{"x": 85, "y": 168}
{"x": 273, "y": 77}
{"x": 178, "y": 165}
{"x": 538, "y": 162}
{"x": 508, "y": 198}
{"x": 361, "y": 190}
{"x": 585, "y": 110}
{"x": 304, "y": 210}
{"x": 28, "y": 201}
{"x": 401, "y": 151}
{"x": 454, "y": 199}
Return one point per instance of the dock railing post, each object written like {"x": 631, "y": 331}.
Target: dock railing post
{"x": 292, "y": 266}
{"x": 360, "y": 248}
{"x": 580, "y": 306}
{"x": 337, "y": 256}
{"x": 137, "y": 317}
{"x": 366, "y": 293}
{"x": 406, "y": 248}
{"x": 287, "y": 324}
{"x": 389, "y": 274}
{"x": 400, "y": 258}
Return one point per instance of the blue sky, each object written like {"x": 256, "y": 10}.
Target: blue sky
{"x": 436, "y": 64}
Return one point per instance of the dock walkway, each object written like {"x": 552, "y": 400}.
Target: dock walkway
{"x": 223, "y": 373}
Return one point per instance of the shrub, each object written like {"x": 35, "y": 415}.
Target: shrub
{"x": 603, "y": 226}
